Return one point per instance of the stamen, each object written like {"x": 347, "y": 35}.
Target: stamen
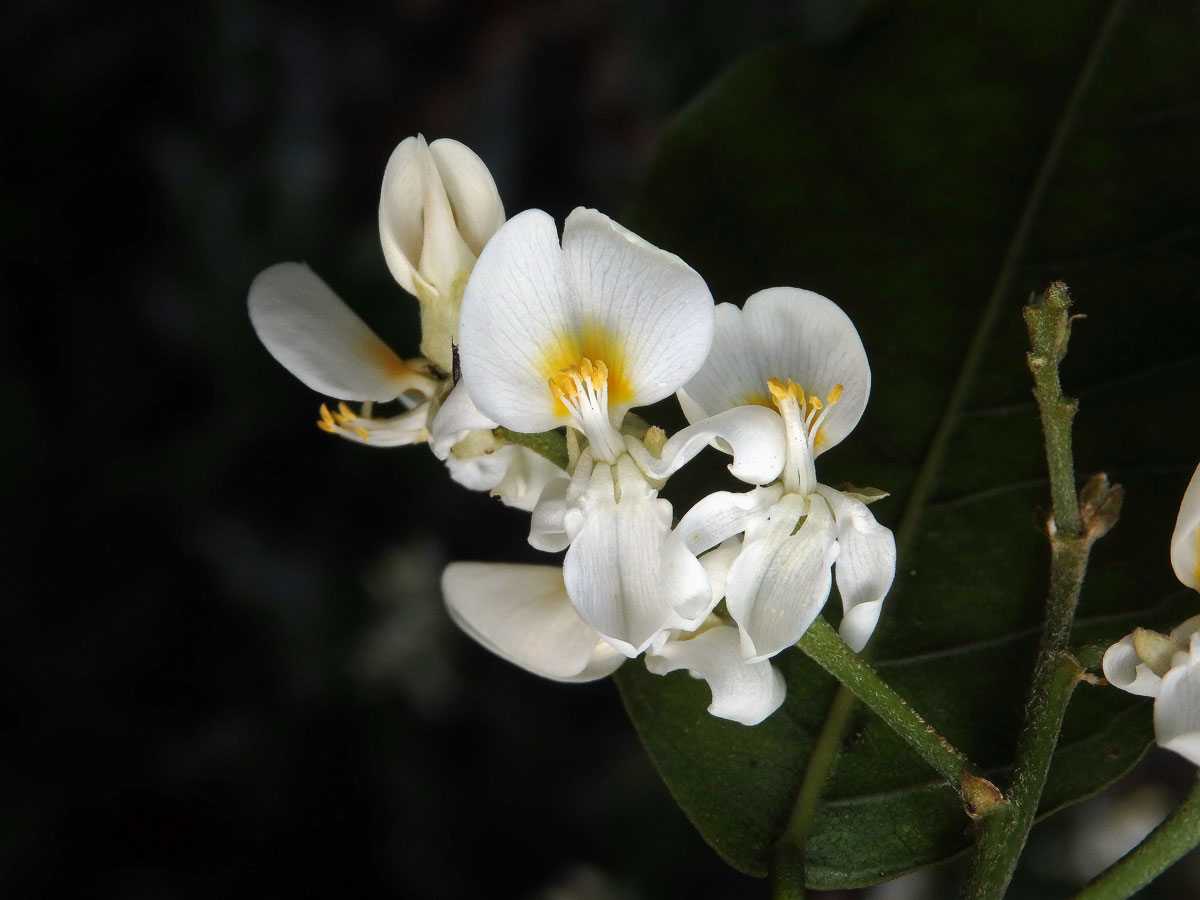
{"x": 582, "y": 389}
{"x": 409, "y": 427}
{"x": 802, "y": 415}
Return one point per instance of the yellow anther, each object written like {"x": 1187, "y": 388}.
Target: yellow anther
{"x": 326, "y": 418}
{"x": 361, "y": 432}
{"x": 345, "y": 414}
{"x": 777, "y": 388}
{"x": 568, "y": 380}
{"x": 835, "y": 395}
{"x": 814, "y": 402}
{"x": 325, "y": 426}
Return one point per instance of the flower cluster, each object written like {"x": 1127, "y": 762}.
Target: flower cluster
{"x": 1167, "y": 666}
{"x": 529, "y": 333}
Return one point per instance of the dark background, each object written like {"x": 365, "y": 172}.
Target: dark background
{"x": 229, "y": 671}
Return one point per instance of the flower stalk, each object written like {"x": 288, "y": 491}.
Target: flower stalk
{"x": 1163, "y": 847}
{"x": 1073, "y": 526}
{"x": 822, "y": 644}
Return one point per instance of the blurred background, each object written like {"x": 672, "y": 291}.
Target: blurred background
{"x": 230, "y": 670}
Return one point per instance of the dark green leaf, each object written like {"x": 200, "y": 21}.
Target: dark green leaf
{"x": 889, "y": 172}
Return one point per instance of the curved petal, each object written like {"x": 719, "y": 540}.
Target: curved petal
{"x": 723, "y": 514}
{"x": 515, "y": 474}
{"x": 1185, "y": 541}
{"x": 547, "y": 527}
{"x": 478, "y": 211}
{"x": 627, "y": 577}
{"x": 320, "y": 340}
{"x": 788, "y": 334}
{"x": 521, "y": 613}
{"x": 516, "y": 314}
{"x": 753, "y": 434}
{"x": 1124, "y": 669}
{"x": 745, "y": 692}
{"x": 652, "y": 308}
{"x": 454, "y": 420}
{"x": 401, "y": 210}
{"x": 732, "y": 375}
{"x": 1177, "y": 709}
{"x": 865, "y": 567}
{"x": 780, "y": 582}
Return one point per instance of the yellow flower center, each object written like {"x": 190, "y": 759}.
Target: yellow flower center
{"x": 812, "y": 410}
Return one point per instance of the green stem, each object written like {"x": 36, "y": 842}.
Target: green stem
{"x": 823, "y": 645}
{"x": 1074, "y": 526}
{"x": 1164, "y": 846}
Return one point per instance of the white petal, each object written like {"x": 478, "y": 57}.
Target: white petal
{"x": 789, "y": 334}
{"x": 515, "y": 474}
{"x": 723, "y": 514}
{"x": 522, "y": 614}
{"x": 1185, "y": 541}
{"x": 517, "y": 309}
{"x": 401, "y": 210}
{"x": 454, "y": 420}
{"x": 472, "y": 192}
{"x": 780, "y": 582}
{"x": 716, "y": 565}
{"x": 1124, "y": 669}
{"x": 320, "y": 340}
{"x": 625, "y": 573}
{"x": 1177, "y": 709}
{"x": 865, "y": 568}
{"x": 653, "y": 308}
{"x": 445, "y": 257}
{"x": 732, "y": 375}
{"x": 742, "y": 691}
{"x": 1182, "y": 633}
{"x": 547, "y": 528}
{"x": 753, "y": 434}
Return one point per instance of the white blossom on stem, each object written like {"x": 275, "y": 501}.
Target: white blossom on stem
{"x": 797, "y": 352}
{"x": 1167, "y": 667}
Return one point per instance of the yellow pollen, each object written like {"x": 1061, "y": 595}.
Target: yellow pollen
{"x": 326, "y": 417}
{"x": 594, "y": 353}
{"x": 565, "y": 382}
{"x": 809, "y": 403}
{"x": 781, "y": 391}
{"x": 361, "y": 432}
{"x": 325, "y": 426}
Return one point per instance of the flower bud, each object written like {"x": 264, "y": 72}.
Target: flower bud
{"x": 437, "y": 209}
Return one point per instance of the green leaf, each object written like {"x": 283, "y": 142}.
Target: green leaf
{"x": 890, "y": 172}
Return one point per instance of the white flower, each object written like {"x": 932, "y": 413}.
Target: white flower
{"x": 320, "y": 340}
{"x": 1167, "y": 667}
{"x": 796, "y": 351}
{"x": 522, "y": 613}
{"x": 437, "y": 209}
{"x": 576, "y": 335}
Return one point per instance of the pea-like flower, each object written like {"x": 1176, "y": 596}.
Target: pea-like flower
{"x": 1167, "y": 667}
{"x": 798, "y": 353}
{"x": 437, "y": 209}
{"x": 577, "y": 334}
